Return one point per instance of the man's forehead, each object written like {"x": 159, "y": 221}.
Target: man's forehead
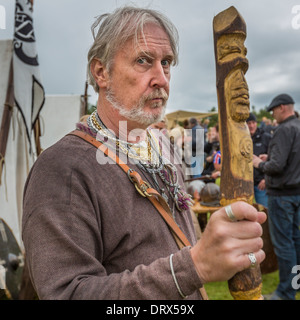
{"x": 152, "y": 41}
{"x": 155, "y": 35}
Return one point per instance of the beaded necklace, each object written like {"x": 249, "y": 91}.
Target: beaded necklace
{"x": 147, "y": 156}
{"x": 141, "y": 151}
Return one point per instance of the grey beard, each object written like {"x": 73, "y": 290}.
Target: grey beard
{"x": 137, "y": 113}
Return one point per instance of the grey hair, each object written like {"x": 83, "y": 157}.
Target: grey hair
{"x": 123, "y": 24}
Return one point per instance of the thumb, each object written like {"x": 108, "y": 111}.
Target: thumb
{"x": 245, "y": 211}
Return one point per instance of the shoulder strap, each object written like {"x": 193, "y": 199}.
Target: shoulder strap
{"x": 142, "y": 187}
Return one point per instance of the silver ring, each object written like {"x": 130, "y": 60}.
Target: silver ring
{"x": 230, "y": 214}
{"x": 252, "y": 259}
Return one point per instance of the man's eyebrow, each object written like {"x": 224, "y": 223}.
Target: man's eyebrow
{"x": 145, "y": 53}
{"x": 150, "y": 54}
{"x": 170, "y": 57}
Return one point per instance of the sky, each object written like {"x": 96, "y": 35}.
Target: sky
{"x": 63, "y": 38}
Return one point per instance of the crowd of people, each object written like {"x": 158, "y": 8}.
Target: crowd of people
{"x": 276, "y": 178}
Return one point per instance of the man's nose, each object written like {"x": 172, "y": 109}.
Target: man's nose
{"x": 160, "y": 78}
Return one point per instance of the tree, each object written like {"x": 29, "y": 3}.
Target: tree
{"x": 214, "y": 119}
{"x": 261, "y": 114}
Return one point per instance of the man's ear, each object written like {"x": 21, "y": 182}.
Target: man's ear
{"x": 100, "y": 73}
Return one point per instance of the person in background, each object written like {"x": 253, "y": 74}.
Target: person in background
{"x": 162, "y": 126}
{"x": 260, "y": 141}
{"x": 216, "y": 174}
{"x": 195, "y": 167}
{"x": 204, "y": 124}
{"x": 211, "y": 147}
{"x": 281, "y": 167}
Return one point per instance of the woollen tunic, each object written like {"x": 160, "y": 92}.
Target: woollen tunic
{"x": 88, "y": 234}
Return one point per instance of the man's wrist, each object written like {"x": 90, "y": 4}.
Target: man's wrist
{"x": 261, "y": 166}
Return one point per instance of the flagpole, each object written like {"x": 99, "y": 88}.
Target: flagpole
{"x": 84, "y": 101}
{"x": 6, "y": 116}
{"x": 27, "y": 291}
{"x": 37, "y": 134}
{"x": 36, "y": 127}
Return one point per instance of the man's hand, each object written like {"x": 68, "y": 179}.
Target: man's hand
{"x": 256, "y": 161}
{"x": 224, "y": 246}
{"x": 262, "y": 185}
{"x": 263, "y": 157}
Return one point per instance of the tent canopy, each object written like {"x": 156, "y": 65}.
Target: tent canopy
{"x": 181, "y": 115}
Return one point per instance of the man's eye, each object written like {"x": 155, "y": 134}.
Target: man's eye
{"x": 165, "y": 63}
{"x": 142, "y": 61}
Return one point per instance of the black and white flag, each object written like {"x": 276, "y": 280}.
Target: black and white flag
{"x": 28, "y": 90}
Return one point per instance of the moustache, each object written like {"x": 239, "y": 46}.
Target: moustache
{"x": 157, "y": 94}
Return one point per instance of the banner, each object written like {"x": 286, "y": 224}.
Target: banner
{"x": 28, "y": 90}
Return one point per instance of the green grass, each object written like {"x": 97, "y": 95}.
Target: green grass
{"x": 219, "y": 290}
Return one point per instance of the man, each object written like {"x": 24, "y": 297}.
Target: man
{"x": 218, "y": 167}
{"x": 88, "y": 233}
{"x": 211, "y": 147}
{"x": 261, "y": 141}
{"x": 195, "y": 158}
{"x": 160, "y": 127}
{"x": 282, "y": 169}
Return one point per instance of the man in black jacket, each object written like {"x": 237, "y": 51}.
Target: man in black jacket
{"x": 282, "y": 169}
{"x": 260, "y": 141}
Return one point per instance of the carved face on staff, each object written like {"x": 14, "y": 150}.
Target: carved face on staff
{"x": 231, "y": 47}
{"x": 237, "y": 96}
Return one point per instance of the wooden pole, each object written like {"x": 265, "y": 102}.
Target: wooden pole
{"x": 37, "y": 134}
{"x": 6, "y": 116}
{"x": 236, "y": 145}
{"x": 84, "y": 101}
{"x": 27, "y": 291}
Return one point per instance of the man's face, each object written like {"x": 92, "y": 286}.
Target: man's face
{"x": 252, "y": 125}
{"x": 159, "y": 125}
{"x": 277, "y": 113}
{"x": 139, "y": 79}
{"x": 213, "y": 134}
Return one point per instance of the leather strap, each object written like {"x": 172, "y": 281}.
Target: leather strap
{"x": 142, "y": 187}
{"x": 145, "y": 190}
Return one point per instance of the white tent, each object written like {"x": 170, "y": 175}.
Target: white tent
{"x": 58, "y": 117}
{"x": 18, "y": 160}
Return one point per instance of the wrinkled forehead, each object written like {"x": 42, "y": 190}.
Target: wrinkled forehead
{"x": 152, "y": 35}
{"x": 152, "y": 42}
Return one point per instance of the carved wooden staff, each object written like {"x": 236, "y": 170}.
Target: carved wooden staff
{"x": 236, "y": 145}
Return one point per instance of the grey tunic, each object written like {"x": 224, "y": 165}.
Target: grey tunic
{"x": 88, "y": 234}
